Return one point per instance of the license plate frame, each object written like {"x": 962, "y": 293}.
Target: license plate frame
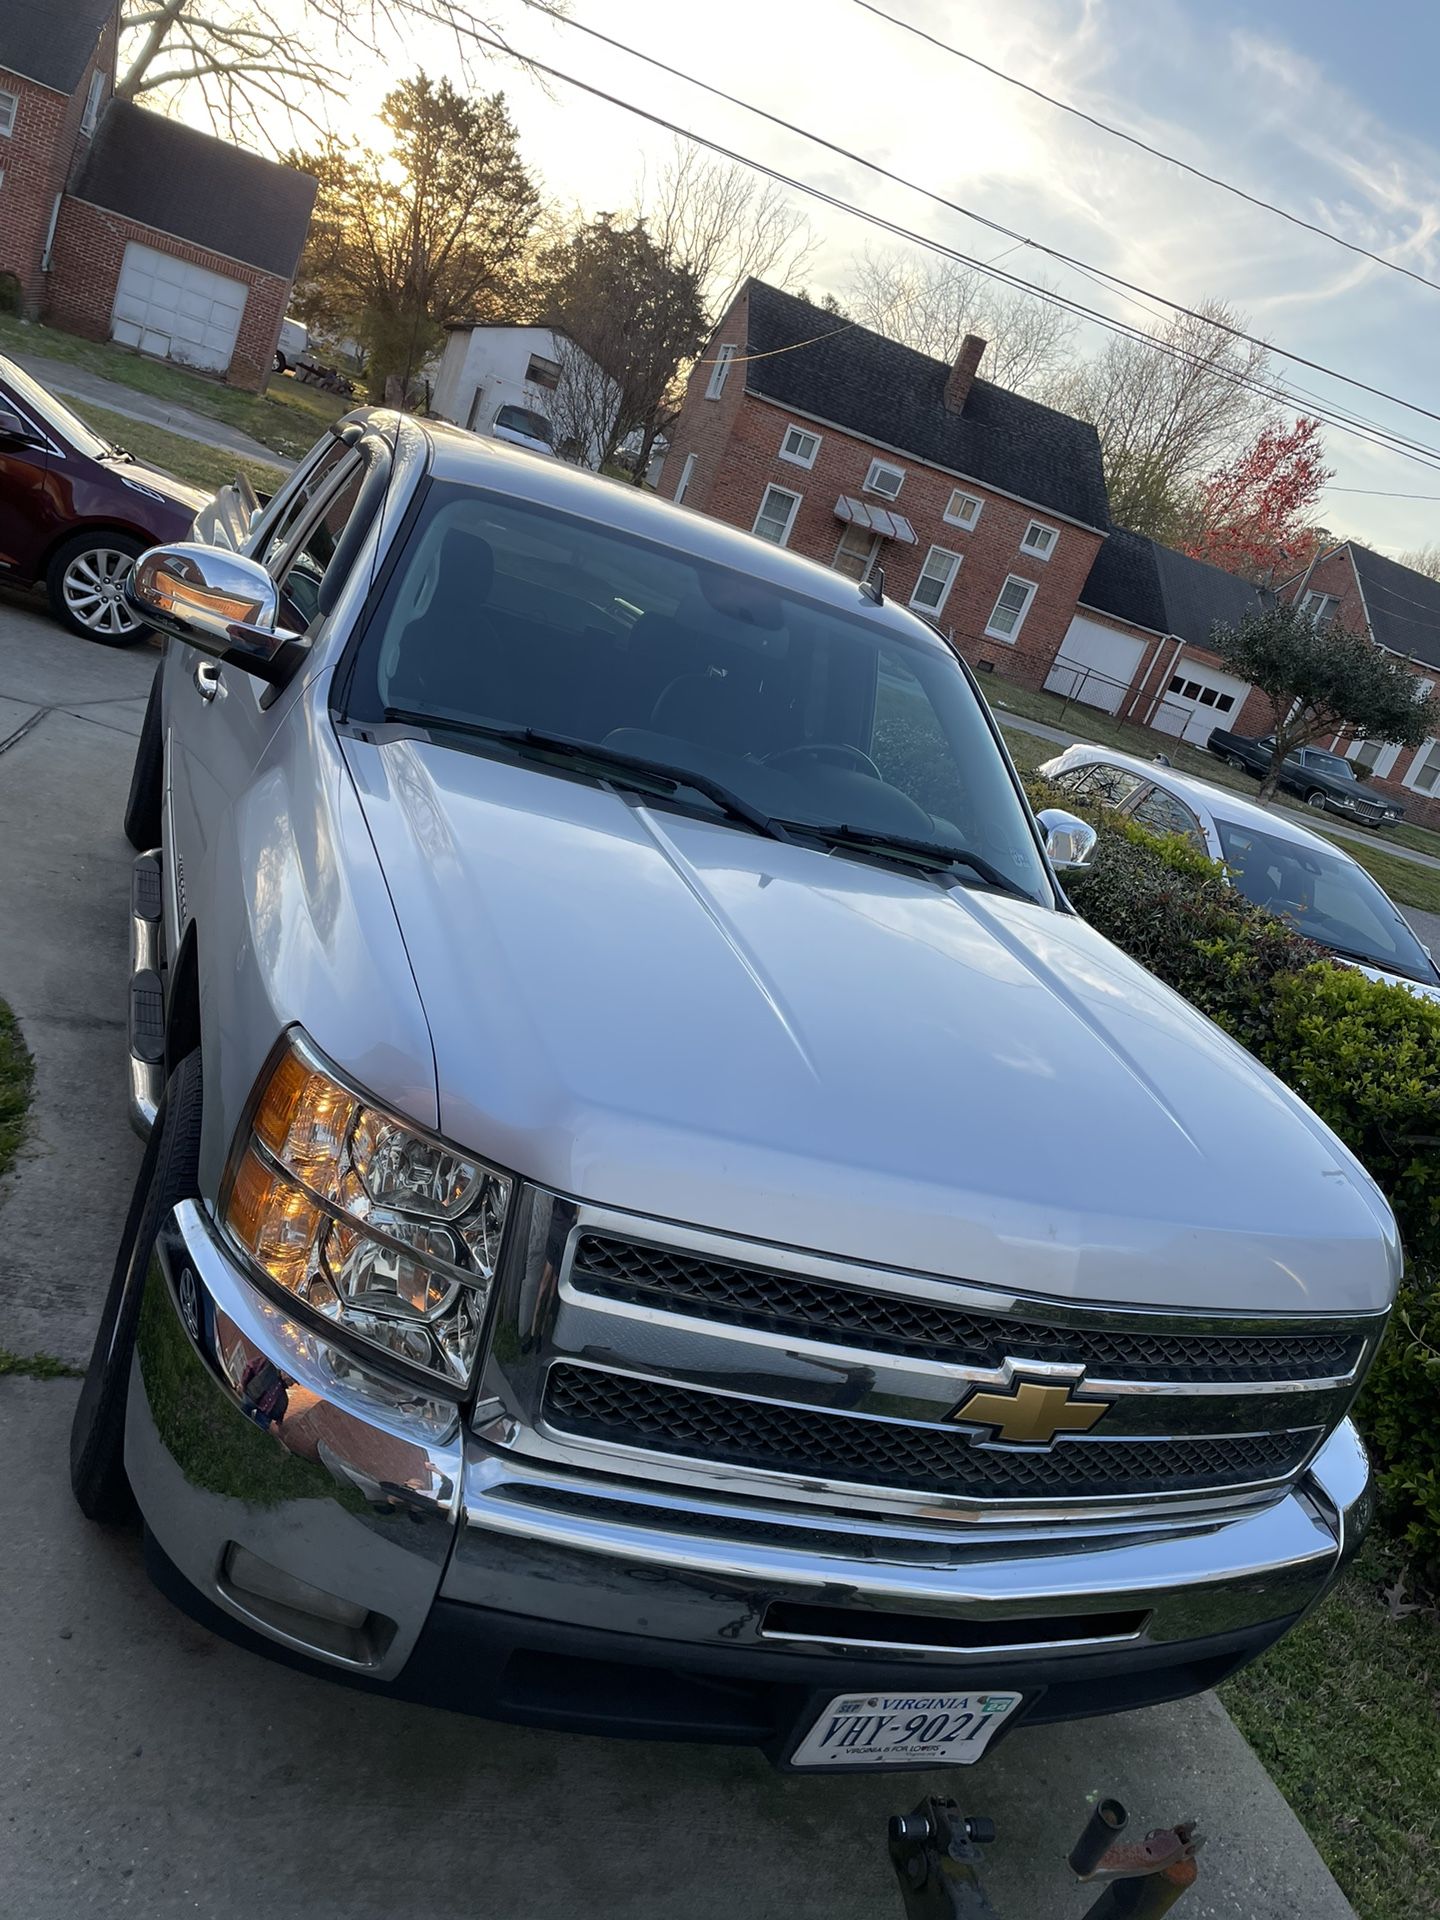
{"x": 952, "y": 1728}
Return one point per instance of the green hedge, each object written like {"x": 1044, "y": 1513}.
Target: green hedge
{"x": 1365, "y": 1057}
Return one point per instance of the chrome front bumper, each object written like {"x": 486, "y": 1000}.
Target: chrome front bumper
{"x": 376, "y": 1514}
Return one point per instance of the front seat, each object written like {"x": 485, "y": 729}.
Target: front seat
{"x": 441, "y": 658}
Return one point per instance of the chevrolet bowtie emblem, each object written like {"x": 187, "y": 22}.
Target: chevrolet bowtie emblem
{"x": 1030, "y": 1414}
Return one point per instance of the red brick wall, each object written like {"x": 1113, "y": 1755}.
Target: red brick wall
{"x": 89, "y": 247}
{"x": 737, "y": 442}
{"x": 42, "y": 152}
{"x": 704, "y": 426}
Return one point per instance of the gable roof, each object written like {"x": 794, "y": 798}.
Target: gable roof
{"x": 880, "y": 391}
{"x": 51, "y": 41}
{"x": 189, "y": 183}
{"x": 1134, "y": 578}
{"x": 1403, "y": 605}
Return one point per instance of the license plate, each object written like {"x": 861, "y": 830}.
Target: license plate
{"x": 904, "y": 1729}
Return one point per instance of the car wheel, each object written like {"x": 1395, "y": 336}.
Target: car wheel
{"x": 1315, "y": 798}
{"x": 84, "y": 581}
{"x": 147, "y": 777}
{"x": 1234, "y": 760}
{"x": 168, "y": 1174}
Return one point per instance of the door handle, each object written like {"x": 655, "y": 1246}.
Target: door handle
{"x": 207, "y": 679}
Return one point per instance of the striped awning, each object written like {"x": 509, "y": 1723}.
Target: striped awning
{"x": 890, "y": 526}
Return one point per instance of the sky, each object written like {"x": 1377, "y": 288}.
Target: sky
{"x": 1284, "y": 98}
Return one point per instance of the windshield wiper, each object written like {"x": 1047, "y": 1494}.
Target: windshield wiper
{"x": 632, "y": 769}
{"x": 934, "y": 854}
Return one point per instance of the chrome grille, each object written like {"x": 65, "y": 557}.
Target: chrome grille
{"x": 789, "y": 1302}
{"x": 768, "y": 1436}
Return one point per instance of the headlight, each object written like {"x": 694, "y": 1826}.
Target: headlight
{"x": 389, "y": 1233}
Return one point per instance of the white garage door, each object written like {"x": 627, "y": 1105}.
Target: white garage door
{"x": 1197, "y": 699}
{"x": 167, "y": 307}
{"x": 1095, "y": 664}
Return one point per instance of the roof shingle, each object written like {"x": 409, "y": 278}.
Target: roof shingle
{"x": 1134, "y": 578}
{"x": 1404, "y": 606}
{"x": 189, "y": 183}
{"x": 51, "y": 40}
{"x": 875, "y": 388}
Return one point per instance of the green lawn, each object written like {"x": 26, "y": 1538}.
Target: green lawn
{"x": 1345, "y": 1715}
{"x": 191, "y": 460}
{"x": 16, "y": 1075}
{"x": 288, "y": 418}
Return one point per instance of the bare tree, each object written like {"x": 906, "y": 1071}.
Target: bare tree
{"x": 931, "y": 304}
{"x": 586, "y": 404}
{"x": 1170, "y": 413}
{"x": 262, "y": 66}
{"x": 1422, "y": 560}
{"x": 723, "y": 224}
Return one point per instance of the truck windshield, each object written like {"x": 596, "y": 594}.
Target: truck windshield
{"x": 1325, "y": 896}
{"x": 525, "y": 420}
{"x": 506, "y": 616}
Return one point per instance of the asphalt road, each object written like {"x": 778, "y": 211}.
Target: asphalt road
{"x": 148, "y": 1768}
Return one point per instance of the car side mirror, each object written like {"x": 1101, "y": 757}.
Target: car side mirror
{"x": 15, "y": 432}
{"x": 220, "y": 603}
{"x": 1069, "y": 843}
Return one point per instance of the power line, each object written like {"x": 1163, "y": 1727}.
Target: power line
{"x": 1158, "y": 153}
{"x": 1384, "y": 438}
{"x": 1116, "y": 281}
{"x": 1382, "y": 493}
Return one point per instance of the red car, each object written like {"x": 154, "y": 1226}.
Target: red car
{"x": 75, "y": 511}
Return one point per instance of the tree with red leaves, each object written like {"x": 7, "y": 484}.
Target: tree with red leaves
{"x": 1250, "y": 516}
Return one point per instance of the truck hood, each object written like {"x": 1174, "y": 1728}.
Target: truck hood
{"x": 678, "y": 1017}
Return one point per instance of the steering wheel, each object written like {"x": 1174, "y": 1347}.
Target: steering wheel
{"x": 831, "y": 752}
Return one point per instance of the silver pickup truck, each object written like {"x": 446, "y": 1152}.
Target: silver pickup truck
{"x": 657, "y": 1216}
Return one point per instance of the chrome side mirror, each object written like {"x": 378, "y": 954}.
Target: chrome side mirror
{"x": 220, "y": 603}
{"x": 1069, "y": 842}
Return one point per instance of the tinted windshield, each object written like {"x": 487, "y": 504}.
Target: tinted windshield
{"x": 1325, "y": 896}
{"x": 1330, "y": 763}
{"x": 52, "y": 412}
{"x": 522, "y": 420}
{"x": 507, "y": 615}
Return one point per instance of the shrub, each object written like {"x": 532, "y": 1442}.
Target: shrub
{"x": 1364, "y": 1056}
{"x": 9, "y": 293}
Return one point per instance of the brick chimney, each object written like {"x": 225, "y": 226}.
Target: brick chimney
{"x": 962, "y": 374}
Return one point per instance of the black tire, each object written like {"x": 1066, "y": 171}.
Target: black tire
{"x": 167, "y": 1175}
{"x": 103, "y": 549}
{"x": 1234, "y": 760}
{"x": 281, "y": 363}
{"x": 147, "y": 776}
{"x": 1318, "y": 799}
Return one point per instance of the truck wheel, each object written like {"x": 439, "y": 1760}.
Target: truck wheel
{"x": 1315, "y": 798}
{"x": 167, "y": 1175}
{"x": 147, "y": 776}
{"x": 84, "y": 581}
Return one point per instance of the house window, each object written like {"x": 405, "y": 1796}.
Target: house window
{"x": 92, "y": 102}
{"x": 685, "y": 473}
{"x": 777, "y": 515}
{"x": 1039, "y": 540}
{"x": 963, "y": 510}
{"x": 884, "y": 479}
{"x": 1320, "y": 606}
{"x": 800, "y": 446}
{"x": 1010, "y": 609}
{"x": 856, "y": 552}
{"x": 543, "y": 373}
{"x": 9, "y": 106}
{"x": 719, "y": 372}
{"x": 1424, "y": 774}
{"x": 936, "y": 578}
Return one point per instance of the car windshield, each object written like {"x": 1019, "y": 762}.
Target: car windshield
{"x": 1324, "y": 895}
{"x": 523, "y": 420}
{"x": 506, "y": 616}
{"x": 1331, "y": 763}
{"x": 52, "y": 412}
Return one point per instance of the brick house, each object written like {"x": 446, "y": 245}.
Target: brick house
{"x": 1138, "y": 645}
{"x": 117, "y": 223}
{"x": 983, "y": 510}
{"x": 1400, "y": 611}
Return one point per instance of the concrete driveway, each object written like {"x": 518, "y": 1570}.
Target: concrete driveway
{"x": 148, "y": 1768}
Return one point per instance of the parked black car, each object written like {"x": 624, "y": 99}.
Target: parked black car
{"x": 1326, "y": 781}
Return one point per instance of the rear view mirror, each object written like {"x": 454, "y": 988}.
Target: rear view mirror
{"x": 1070, "y": 843}
{"x": 220, "y": 603}
{"x": 15, "y": 432}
